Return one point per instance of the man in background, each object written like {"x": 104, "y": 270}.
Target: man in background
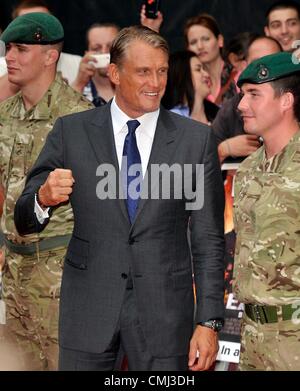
{"x": 93, "y": 81}
{"x": 283, "y": 23}
{"x": 33, "y": 264}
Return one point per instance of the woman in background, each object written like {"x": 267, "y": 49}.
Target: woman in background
{"x": 236, "y": 51}
{"x": 188, "y": 86}
{"x": 202, "y": 36}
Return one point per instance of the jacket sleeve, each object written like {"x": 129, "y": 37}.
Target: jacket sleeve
{"x": 50, "y": 158}
{"x": 207, "y": 239}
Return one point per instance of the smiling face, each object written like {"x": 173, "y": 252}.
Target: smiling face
{"x": 200, "y": 77}
{"x": 204, "y": 43}
{"x": 284, "y": 26}
{"x": 140, "y": 79}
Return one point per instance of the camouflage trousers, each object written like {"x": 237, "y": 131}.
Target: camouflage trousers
{"x": 31, "y": 291}
{"x": 270, "y": 346}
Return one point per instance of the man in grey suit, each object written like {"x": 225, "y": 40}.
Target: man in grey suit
{"x": 128, "y": 274}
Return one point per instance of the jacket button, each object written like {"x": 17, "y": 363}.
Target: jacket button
{"x": 131, "y": 241}
{"x": 124, "y": 275}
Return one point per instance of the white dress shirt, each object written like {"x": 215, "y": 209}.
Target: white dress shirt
{"x": 144, "y": 138}
{"x": 144, "y": 133}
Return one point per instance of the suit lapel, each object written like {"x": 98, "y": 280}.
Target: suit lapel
{"x": 162, "y": 150}
{"x": 101, "y": 138}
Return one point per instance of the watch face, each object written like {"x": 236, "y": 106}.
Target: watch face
{"x": 214, "y": 324}
{"x": 217, "y": 325}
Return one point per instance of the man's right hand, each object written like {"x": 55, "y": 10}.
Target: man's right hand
{"x": 242, "y": 145}
{"x": 85, "y": 73}
{"x": 57, "y": 188}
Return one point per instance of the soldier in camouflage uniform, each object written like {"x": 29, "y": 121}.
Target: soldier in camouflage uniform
{"x": 267, "y": 208}
{"x": 33, "y": 264}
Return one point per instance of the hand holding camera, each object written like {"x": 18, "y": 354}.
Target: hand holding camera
{"x": 100, "y": 60}
{"x": 88, "y": 67}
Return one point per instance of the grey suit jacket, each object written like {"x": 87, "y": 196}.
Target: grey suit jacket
{"x": 105, "y": 248}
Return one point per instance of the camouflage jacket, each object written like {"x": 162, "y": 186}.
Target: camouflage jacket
{"x": 267, "y": 222}
{"x": 22, "y": 136}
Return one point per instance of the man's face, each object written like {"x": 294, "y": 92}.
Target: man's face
{"x": 25, "y": 63}
{"x": 260, "y": 48}
{"x": 259, "y": 108}
{"x": 141, "y": 79}
{"x": 284, "y": 26}
{"x": 99, "y": 42}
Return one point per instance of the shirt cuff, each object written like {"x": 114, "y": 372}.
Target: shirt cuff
{"x": 40, "y": 213}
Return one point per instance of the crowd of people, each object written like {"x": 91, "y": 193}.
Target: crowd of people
{"x": 92, "y": 273}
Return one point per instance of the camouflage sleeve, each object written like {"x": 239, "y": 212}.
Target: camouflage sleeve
{"x": 50, "y": 158}
{"x": 1, "y": 199}
{"x": 237, "y": 183}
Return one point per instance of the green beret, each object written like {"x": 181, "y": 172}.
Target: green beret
{"x": 36, "y": 28}
{"x": 269, "y": 68}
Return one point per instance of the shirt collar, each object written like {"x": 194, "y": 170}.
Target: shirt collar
{"x": 42, "y": 110}
{"x": 148, "y": 121}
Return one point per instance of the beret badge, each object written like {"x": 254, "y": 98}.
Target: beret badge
{"x": 38, "y": 36}
{"x": 263, "y": 72}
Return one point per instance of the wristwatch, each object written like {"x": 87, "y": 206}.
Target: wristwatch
{"x": 215, "y": 324}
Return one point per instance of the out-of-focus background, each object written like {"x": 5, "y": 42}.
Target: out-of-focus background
{"x": 76, "y": 16}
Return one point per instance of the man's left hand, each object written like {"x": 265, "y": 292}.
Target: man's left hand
{"x": 205, "y": 341}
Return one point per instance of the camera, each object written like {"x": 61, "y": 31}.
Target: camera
{"x": 152, "y": 7}
{"x": 102, "y": 60}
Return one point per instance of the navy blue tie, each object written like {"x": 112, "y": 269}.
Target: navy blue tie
{"x": 131, "y": 152}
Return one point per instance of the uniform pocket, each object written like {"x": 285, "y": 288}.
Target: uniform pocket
{"x": 21, "y": 156}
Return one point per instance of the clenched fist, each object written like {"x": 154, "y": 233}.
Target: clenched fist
{"x": 57, "y": 188}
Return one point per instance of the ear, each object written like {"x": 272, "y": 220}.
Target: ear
{"x": 220, "y": 40}
{"x": 52, "y": 56}
{"x": 267, "y": 31}
{"x": 287, "y": 101}
{"x": 114, "y": 74}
